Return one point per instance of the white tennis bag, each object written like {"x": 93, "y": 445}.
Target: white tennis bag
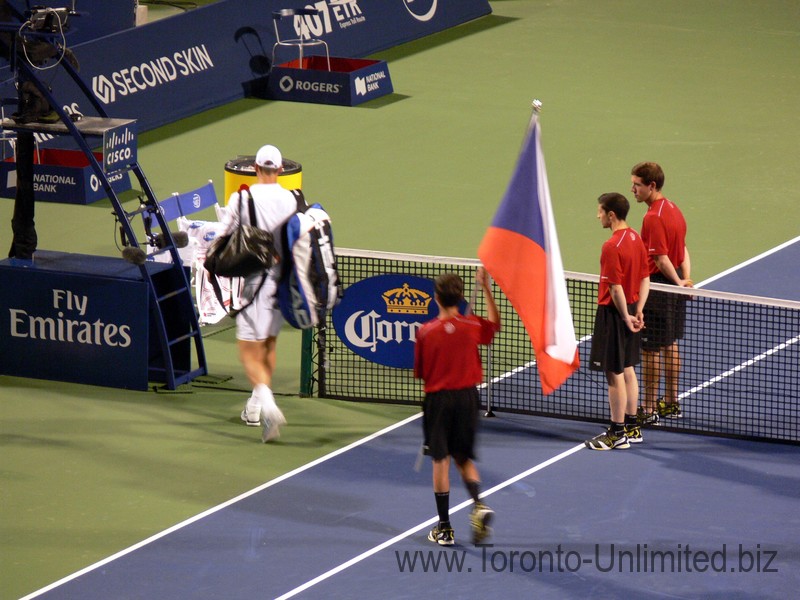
{"x": 310, "y": 285}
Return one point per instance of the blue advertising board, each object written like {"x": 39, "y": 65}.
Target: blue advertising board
{"x": 350, "y": 81}
{"x": 92, "y": 19}
{"x": 175, "y": 67}
{"x": 83, "y": 321}
{"x": 62, "y": 176}
{"x": 119, "y": 146}
{"x": 378, "y": 317}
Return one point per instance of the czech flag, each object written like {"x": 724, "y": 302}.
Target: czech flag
{"x": 520, "y": 251}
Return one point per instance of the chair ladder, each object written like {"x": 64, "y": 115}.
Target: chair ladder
{"x": 170, "y": 294}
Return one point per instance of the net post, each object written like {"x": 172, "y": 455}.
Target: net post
{"x": 307, "y": 363}
{"x": 322, "y": 357}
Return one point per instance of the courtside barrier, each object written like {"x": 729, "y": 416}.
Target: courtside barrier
{"x": 176, "y": 67}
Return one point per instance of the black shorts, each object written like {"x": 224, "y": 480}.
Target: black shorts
{"x": 614, "y": 346}
{"x": 664, "y": 317}
{"x": 449, "y": 423}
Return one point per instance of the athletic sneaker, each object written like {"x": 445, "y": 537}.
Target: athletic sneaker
{"x": 251, "y": 415}
{"x": 444, "y": 536}
{"x": 608, "y": 441}
{"x": 634, "y": 434}
{"x": 480, "y": 518}
{"x": 271, "y": 420}
{"x": 669, "y": 410}
{"x": 646, "y": 418}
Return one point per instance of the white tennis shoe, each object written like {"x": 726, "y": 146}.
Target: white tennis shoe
{"x": 251, "y": 413}
{"x": 271, "y": 420}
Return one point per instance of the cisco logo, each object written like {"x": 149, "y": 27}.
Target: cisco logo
{"x": 421, "y": 10}
{"x": 287, "y": 84}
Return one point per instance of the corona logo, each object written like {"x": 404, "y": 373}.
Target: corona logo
{"x": 379, "y": 317}
{"x": 405, "y": 300}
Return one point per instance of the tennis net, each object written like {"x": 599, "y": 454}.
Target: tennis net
{"x": 740, "y": 355}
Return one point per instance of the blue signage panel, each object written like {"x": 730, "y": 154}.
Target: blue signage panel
{"x": 176, "y": 67}
{"x": 62, "y": 176}
{"x": 378, "y": 317}
{"x": 73, "y": 326}
{"x": 370, "y": 82}
{"x": 348, "y": 83}
{"x": 119, "y": 146}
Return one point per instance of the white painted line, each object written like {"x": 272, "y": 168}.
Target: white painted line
{"x": 219, "y": 507}
{"x": 740, "y": 367}
{"x": 423, "y": 525}
{"x": 748, "y": 262}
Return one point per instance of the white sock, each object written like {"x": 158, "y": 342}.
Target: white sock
{"x": 253, "y": 404}
{"x": 264, "y": 397}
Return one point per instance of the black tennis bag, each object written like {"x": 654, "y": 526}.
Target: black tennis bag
{"x": 245, "y": 251}
{"x": 310, "y": 284}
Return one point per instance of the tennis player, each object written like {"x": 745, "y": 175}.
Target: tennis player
{"x": 259, "y": 323}
{"x": 664, "y": 235}
{"x": 447, "y": 359}
{"x": 616, "y": 343}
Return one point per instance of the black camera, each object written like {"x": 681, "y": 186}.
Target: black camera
{"x": 48, "y": 20}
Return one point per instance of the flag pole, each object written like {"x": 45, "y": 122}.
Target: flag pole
{"x": 489, "y": 412}
{"x": 536, "y": 109}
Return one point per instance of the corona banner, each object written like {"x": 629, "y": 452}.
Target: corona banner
{"x": 379, "y": 317}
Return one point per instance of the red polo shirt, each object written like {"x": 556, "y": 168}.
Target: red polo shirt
{"x": 623, "y": 261}
{"x": 664, "y": 232}
{"x": 446, "y": 353}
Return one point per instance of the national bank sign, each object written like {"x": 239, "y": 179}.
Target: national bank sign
{"x": 379, "y": 317}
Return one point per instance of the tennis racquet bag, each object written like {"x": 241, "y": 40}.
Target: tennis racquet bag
{"x": 310, "y": 284}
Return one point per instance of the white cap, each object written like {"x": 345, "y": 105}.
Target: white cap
{"x": 269, "y": 157}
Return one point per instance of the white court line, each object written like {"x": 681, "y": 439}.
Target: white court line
{"x": 364, "y": 440}
{"x": 749, "y": 261}
{"x": 740, "y": 367}
{"x": 219, "y": 507}
{"x": 524, "y": 367}
{"x": 421, "y": 526}
{"x": 761, "y": 356}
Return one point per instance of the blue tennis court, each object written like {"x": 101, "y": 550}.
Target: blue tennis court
{"x": 680, "y": 516}
{"x": 677, "y": 515}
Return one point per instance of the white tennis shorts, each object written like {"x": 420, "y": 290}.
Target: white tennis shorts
{"x": 261, "y": 319}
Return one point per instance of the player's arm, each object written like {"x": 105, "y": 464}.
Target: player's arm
{"x": 482, "y": 278}
{"x": 618, "y": 298}
{"x": 667, "y": 269}
{"x": 230, "y": 218}
{"x": 686, "y": 269}
{"x": 644, "y": 292}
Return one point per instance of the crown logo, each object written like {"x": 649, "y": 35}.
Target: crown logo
{"x": 406, "y": 300}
